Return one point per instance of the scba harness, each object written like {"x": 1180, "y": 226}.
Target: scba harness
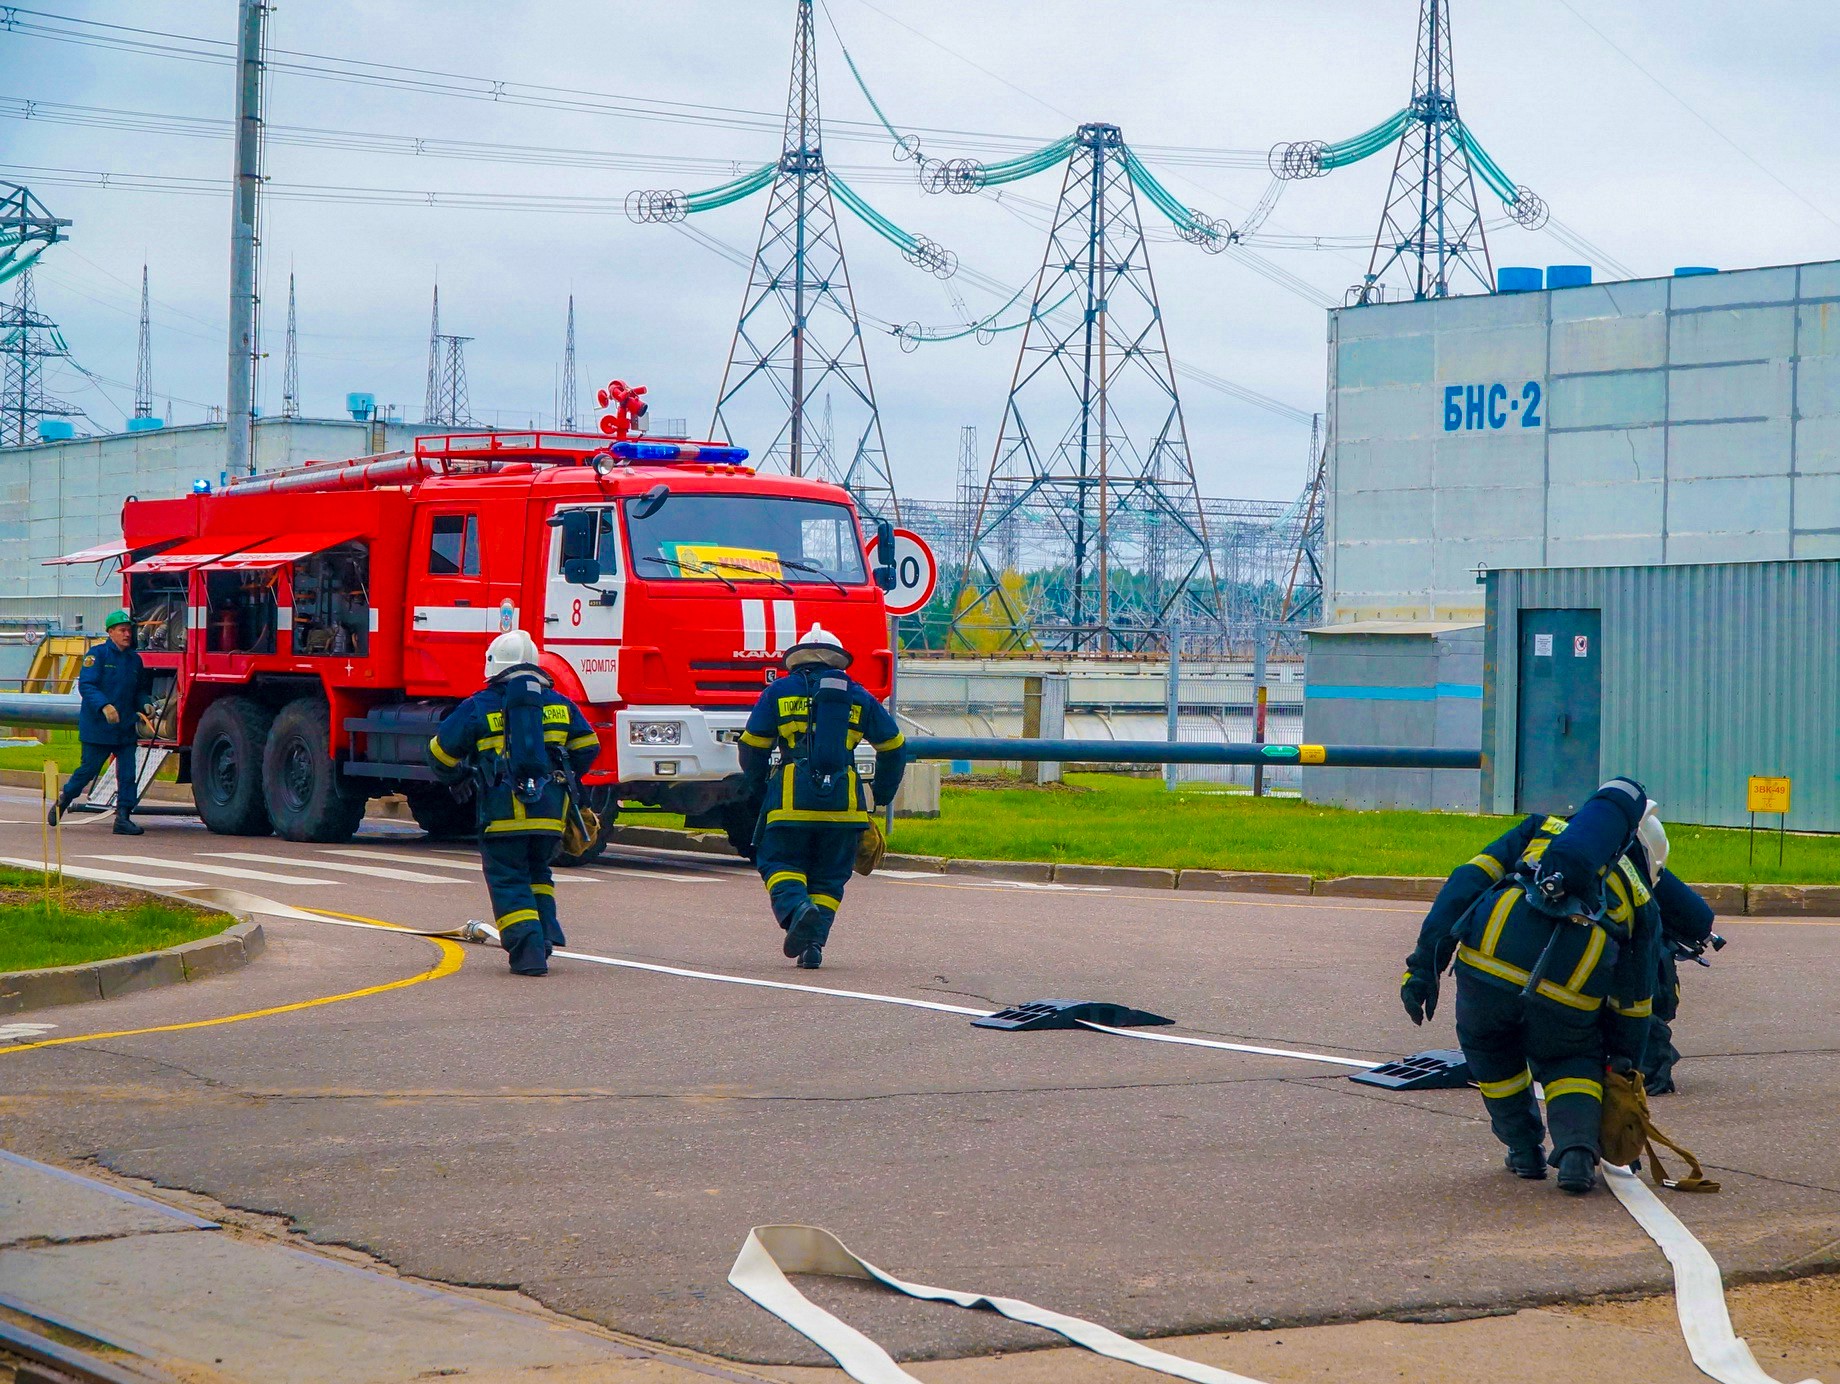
{"x": 529, "y": 760}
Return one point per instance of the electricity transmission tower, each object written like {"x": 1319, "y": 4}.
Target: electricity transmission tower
{"x": 290, "y": 366}
{"x": 143, "y": 358}
{"x": 1303, "y": 592}
{"x": 565, "y": 412}
{"x": 29, "y": 339}
{"x": 446, "y": 402}
{"x": 1093, "y": 442}
{"x": 1431, "y": 225}
{"x": 798, "y": 334}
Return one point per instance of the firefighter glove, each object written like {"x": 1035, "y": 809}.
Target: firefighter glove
{"x": 1419, "y": 994}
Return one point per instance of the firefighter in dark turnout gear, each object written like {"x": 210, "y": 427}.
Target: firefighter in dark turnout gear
{"x": 1554, "y": 933}
{"x": 814, "y": 806}
{"x": 524, "y": 745}
{"x": 1686, "y": 928}
{"x": 107, "y": 722}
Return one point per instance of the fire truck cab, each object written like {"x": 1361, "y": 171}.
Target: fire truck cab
{"x": 305, "y": 631}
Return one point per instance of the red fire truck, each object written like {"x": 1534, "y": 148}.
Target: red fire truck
{"x": 306, "y": 630}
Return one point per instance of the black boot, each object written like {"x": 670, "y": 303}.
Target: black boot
{"x": 1577, "y": 1171}
{"x": 125, "y": 826}
{"x": 1529, "y": 1163}
{"x": 811, "y": 958}
{"x": 802, "y": 932}
{"x": 57, "y": 810}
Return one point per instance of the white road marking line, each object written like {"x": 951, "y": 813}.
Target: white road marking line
{"x": 232, "y": 871}
{"x": 19, "y": 1033}
{"x": 105, "y": 876}
{"x": 443, "y": 861}
{"x": 974, "y": 882}
{"x": 639, "y": 872}
{"x": 373, "y": 871}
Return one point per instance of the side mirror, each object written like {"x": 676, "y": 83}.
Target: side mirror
{"x": 581, "y": 537}
{"x": 581, "y": 571}
{"x": 885, "y": 575}
{"x": 651, "y": 502}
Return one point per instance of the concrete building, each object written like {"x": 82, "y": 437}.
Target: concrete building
{"x": 60, "y": 497}
{"x": 1659, "y": 421}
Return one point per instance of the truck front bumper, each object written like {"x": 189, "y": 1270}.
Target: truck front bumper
{"x": 705, "y": 744}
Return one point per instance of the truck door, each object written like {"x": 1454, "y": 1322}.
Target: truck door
{"x": 1561, "y": 700}
{"x": 583, "y": 622}
{"x": 453, "y": 615}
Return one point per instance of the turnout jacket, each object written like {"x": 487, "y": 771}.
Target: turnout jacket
{"x": 782, "y": 717}
{"x": 472, "y": 737}
{"x": 110, "y": 677}
{"x": 1607, "y": 967}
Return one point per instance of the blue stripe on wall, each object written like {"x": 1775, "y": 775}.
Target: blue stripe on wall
{"x": 1469, "y": 691}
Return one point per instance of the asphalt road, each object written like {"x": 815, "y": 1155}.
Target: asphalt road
{"x": 602, "y": 1139}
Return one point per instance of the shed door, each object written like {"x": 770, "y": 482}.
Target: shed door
{"x": 1561, "y": 700}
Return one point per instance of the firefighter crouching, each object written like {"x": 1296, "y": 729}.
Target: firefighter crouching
{"x": 109, "y": 686}
{"x": 524, "y": 744}
{"x": 1555, "y": 935}
{"x": 815, "y": 805}
{"x": 1686, "y": 930}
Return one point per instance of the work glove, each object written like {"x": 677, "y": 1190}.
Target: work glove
{"x": 1622, "y": 1066}
{"x": 111, "y": 715}
{"x": 1419, "y": 994}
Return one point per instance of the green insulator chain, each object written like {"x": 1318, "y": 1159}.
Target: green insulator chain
{"x": 918, "y": 250}
{"x": 1197, "y": 228}
{"x": 663, "y": 206}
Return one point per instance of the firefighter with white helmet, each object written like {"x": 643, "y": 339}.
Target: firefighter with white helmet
{"x": 524, "y": 745}
{"x": 814, "y": 805}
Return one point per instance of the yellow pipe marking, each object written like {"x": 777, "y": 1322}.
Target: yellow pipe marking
{"x": 453, "y": 956}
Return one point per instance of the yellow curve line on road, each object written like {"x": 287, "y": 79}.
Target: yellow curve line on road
{"x": 453, "y": 956}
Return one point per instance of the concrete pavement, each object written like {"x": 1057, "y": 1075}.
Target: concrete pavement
{"x": 601, "y": 1140}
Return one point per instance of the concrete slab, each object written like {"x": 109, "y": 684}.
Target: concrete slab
{"x": 46, "y": 1204}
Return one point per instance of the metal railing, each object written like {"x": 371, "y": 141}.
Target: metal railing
{"x": 1184, "y": 752}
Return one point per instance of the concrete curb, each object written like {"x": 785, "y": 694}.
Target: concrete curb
{"x": 1727, "y": 900}
{"x": 229, "y": 950}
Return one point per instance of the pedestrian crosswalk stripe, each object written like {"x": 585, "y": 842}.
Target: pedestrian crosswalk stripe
{"x": 233, "y": 872}
{"x": 104, "y": 876}
{"x": 441, "y": 859}
{"x": 374, "y": 871}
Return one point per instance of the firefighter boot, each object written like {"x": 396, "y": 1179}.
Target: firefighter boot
{"x": 126, "y": 826}
{"x": 1577, "y": 1171}
{"x": 1529, "y": 1163}
{"x": 811, "y": 958}
{"x": 59, "y": 808}
{"x": 802, "y": 933}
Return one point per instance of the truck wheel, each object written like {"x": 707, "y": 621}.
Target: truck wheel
{"x": 437, "y": 812}
{"x": 607, "y": 806}
{"x": 307, "y": 799}
{"x": 227, "y": 767}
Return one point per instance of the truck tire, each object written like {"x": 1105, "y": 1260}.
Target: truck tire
{"x": 227, "y": 767}
{"x": 607, "y": 806}
{"x": 444, "y": 818}
{"x": 306, "y": 794}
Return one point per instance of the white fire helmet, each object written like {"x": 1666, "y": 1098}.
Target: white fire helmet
{"x": 512, "y": 649}
{"x": 1653, "y": 837}
{"x": 818, "y": 645}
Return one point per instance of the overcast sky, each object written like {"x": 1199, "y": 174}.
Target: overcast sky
{"x": 1720, "y": 154}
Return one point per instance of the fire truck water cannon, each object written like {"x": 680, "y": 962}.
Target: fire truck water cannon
{"x": 625, "y": 408}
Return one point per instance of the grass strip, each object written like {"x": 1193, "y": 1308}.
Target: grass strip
{"x": 94, "y": 922}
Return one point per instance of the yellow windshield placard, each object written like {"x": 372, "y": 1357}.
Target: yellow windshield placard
{"x": 711, "y": 561}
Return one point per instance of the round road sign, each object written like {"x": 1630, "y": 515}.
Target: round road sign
{"x": 916, "y": 572}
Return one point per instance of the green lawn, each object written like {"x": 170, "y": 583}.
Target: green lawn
{"x": 33, "y": 757}
{"x": 97, "y": 924}
{"x": 1131, "y": 821}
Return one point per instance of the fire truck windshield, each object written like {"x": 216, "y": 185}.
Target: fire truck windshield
{"x": 734, "y": 538}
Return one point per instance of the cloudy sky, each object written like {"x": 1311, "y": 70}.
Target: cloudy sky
{"x": 1687, "y": 133}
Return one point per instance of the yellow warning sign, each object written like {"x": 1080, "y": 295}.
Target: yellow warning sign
{"x": 1767, "y": 795}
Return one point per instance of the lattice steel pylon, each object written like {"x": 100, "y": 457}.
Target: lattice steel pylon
{"x": 1431, "y": 225}
{"x": 290, "y": 362}
{"x": 143, "y": 358}
{"x": 28, "y": 339}
{"x": 1303, "y": 592}
{"x": 565, "y": 410}
{"x": 798, "y": 335}
{"x": 446, "y": 402}
{"x": 1094, "y": 441}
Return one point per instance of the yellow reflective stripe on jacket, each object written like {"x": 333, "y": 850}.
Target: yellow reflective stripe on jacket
{"x": 1641, "y": 1009}
{"x": 1512, "y": 1086}
{"x": 898, "y": 740}
{"x": 1574, "y": 1086}
{"x": 1637, "y": 885}
{"x": 1506, "y": 970}
{"x": 1485, "y": 862}
{"x": 779, "y": 877}
{"x": 581, "y": 742}
{"x": 1593, "y": 953}
{"x": 853, "y": 815}
{"x": 490, "y": 742}
{"x": 1498, "y": 919}
{"x": 441, "y": 756}
{"x": 759, "y": 742}
{"x": 530, "y": 824}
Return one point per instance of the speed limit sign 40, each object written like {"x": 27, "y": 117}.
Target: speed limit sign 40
{"x": 916, "y": 571}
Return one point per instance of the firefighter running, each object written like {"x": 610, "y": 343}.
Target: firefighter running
{"x": 815, "y": 805}
{"x": 109, "y": 686}
{"x": 1555, "y": 935}
{"x": 524, "y": 744}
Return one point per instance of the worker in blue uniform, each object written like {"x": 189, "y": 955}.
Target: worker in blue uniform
{"x": 107, "y": 722}
{"x": 1554, "y": 933}
{"x": 524, "y": 745}
{"x": 815, "y": 805}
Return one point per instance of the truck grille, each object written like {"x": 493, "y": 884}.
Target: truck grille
{"x": 736, "y": 678}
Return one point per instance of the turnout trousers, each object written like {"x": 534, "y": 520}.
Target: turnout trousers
{"x": 806, "y": 864}
{"x": 96, "y": 754}
{"x": 1510, "y": 1043}
{"x": 1659, "y": 1058}
{"x": 523, "y": 897}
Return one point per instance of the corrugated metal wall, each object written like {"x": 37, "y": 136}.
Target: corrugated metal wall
{"x": 1711, "y": 673}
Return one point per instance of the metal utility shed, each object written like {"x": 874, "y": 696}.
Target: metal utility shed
{"x": 1688, "y": 678}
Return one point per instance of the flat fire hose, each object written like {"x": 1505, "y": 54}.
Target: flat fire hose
{"x": 773, "y": 1251}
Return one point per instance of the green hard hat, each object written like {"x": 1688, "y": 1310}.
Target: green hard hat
{"x": 117, "y": 617}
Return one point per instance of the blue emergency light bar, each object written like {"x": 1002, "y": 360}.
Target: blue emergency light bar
{"x": 679, "y": 451}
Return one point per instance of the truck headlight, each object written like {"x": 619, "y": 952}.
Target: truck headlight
{"x": 655, "y": 732}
